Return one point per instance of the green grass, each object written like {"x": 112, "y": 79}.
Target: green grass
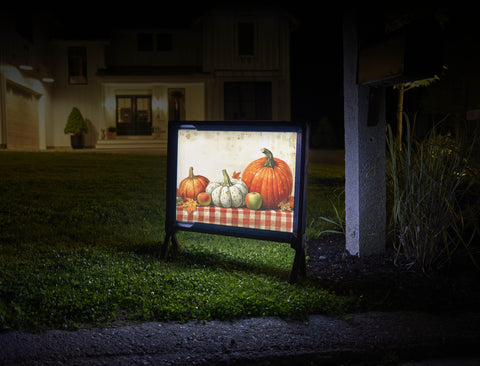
{"x": 80, "y": 238}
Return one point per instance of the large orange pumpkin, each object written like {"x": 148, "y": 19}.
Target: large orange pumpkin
{"x": 271, "y": 177}
{"x": 191, "y": 186}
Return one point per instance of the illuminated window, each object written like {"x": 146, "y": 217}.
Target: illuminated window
{"x": 77, "y": 65}
{"x": 248, "y": 101}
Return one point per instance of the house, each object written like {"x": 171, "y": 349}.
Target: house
{"x": 228, "y": 64}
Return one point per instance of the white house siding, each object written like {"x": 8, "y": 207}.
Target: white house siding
{"x": 86, "y": 97}
{"x": 185, "y": 52}
{"x": 270, "y": 62}
{"x": 220, "y": 43}
{"x": 195, "y": 102}
{"x": 121, "y": 52}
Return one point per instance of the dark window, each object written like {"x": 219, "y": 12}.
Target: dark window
{"x": 77, "y": 65}
{"x": 246, "y": 39}
{"x": 164, "y": 42}
{"x": 145, "y": 41}
{"x": 248, "y": 101}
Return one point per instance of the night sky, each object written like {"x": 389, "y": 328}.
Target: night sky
{"x": 317, "y": 67}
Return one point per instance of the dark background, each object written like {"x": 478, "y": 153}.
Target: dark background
{"x": 316, "y": 51}
{"x": 317, "y": 74}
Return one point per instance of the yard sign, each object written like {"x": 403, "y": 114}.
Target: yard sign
{"x": 215, "y": 166}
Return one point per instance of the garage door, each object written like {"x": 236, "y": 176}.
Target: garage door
{"x": 22, "y": 117}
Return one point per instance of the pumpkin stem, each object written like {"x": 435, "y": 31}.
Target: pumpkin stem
{"x": 190, "y": 173}
{"x": 226, "y": 179}
{"x": 270, "y": 162}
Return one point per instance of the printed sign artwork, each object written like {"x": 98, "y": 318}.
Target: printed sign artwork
{"x": 237, "y": 178}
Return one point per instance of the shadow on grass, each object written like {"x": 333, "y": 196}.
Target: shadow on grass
{"x": 213, "y": 260}
{"x": 231, "y": 264}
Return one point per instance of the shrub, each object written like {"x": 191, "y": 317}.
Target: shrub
{"x": 76, "y": 123}
{"x": 428, "y": 181}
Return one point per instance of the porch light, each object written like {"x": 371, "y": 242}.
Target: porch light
{"x": 25, "y": 67}
{"x": 110, "y": 103}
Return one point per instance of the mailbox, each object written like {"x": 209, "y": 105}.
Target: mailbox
{"x": 411, "y": 53}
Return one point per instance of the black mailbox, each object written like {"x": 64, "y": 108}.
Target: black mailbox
{"x": 411, "y": 53}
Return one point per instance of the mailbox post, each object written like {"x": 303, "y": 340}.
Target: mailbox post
{"x": 411, "y": 53}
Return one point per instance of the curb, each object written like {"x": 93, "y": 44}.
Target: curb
{"x": 369, "y": 339}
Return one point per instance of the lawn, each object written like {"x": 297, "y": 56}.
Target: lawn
{"x": 80, "y": 238}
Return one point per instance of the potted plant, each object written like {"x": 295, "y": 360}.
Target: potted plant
{"x": 77, "y": 128}
{"x": 111, "y": 132}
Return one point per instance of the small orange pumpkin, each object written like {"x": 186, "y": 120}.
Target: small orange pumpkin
{"x": 271, "y": 177}
{"x": 191, "y": 186}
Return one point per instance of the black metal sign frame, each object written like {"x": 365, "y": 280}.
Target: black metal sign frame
{"x": 295, "y": 235}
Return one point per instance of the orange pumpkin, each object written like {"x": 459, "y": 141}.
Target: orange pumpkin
{"x": 271, "y": 177}
{"x": 191, "y": 186}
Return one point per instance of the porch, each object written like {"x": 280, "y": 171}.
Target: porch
{"x": 140, "y": 143}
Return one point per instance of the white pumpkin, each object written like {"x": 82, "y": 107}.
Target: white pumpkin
{"x": 229, "y": 193}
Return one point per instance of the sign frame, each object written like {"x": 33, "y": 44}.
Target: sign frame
{"x": 296, "y": 237}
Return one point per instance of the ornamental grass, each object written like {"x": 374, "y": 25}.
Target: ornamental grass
{"x": 433, "y": 196}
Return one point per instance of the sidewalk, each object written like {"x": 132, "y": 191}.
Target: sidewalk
{"x": 374, "y": 338}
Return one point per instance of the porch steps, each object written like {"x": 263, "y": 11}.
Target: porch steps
{"x": 134, "y": 143}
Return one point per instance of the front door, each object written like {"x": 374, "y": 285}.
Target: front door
{"x": 134, "y": 115}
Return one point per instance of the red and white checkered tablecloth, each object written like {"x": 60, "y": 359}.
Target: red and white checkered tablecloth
{"x": 276, "y": 220}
